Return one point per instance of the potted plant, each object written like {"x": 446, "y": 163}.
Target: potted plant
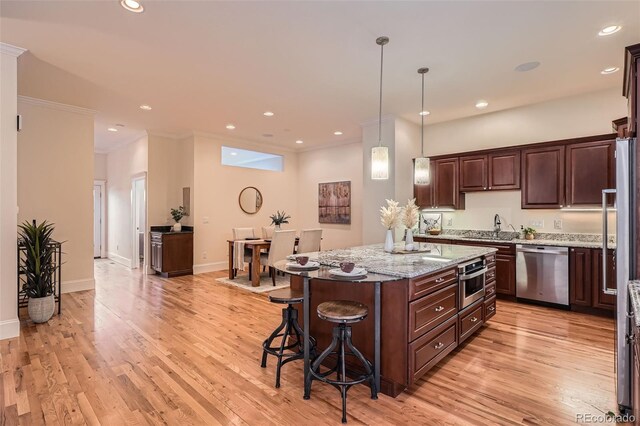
{"x": 410, "y": 219}
{"x": 529, "y": 233}
{"x": 39, "y": 269}
{"x": 177, "y": 215}
{"x": 278, "y": 219}
{"x": 389, "y": 219}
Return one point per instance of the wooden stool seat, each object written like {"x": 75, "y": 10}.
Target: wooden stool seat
{"x": 286, "y": 295}
{"x": 342, "y": 311}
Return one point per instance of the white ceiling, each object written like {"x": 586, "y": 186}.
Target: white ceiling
{"x": 201, "y": 65}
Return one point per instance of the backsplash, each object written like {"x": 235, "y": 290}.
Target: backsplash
{"x": 508, "y": 235}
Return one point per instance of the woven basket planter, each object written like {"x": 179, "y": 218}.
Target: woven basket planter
{"x": 41, "y": 309}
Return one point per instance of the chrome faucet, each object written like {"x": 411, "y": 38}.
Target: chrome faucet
{"x": 496, "y": 224}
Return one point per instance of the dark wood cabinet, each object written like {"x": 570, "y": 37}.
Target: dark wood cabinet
{"x": 423, "y": 195}
{"x": 543, "y": 180}
{"x": 506, "y": 274}
{"x": 447, "y": 192}
{"x": 504, "y": 170}
{"x": 590, "y": 168}
{"x": 600, "y": 299}
{"x": 580, "y": 270}
{"x": 474, "y": 174}
{"x": 621, "y": 127}
{"x": 172, "y": 253}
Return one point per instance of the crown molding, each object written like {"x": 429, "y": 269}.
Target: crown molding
{"x": 374, "y": 121}
{"x": 56, "y": 105}
{"x": 11, "y": 50}
{"x": 249, "y": 143}
{"x": 169, "y": 135}
{"x": 120, "y": 144}
{"x": 346, "y": 142}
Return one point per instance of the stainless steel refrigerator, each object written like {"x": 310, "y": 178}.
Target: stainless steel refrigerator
{"x": 625, "y": 259}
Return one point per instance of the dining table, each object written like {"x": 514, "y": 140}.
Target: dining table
{"x": 256, "y": 246}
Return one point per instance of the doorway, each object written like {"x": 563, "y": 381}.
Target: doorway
{"x": 138, "y": 218}
{"x": 99, "y": 220}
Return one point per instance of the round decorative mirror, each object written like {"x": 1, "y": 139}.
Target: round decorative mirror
{"x": 250, "y": 200}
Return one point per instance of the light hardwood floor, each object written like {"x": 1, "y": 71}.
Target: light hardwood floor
{"x": 181, "y": 351}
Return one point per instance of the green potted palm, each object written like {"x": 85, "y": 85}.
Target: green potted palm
{"x": 177, "y": 215}
{"x": 39, "y": 269}
{"x": 278, "y": 219}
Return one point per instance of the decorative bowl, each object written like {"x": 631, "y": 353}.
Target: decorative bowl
{"x": 435, "y": 231}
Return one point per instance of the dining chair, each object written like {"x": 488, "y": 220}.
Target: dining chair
{"x": 267, "y": 232}
{"x": 241, "y": 234}
{"x": 309, "y": 240}
{"x": 282, "y": 244}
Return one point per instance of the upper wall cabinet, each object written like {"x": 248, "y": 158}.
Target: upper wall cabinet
{"x": 492, "y": 172}
{"x": 543, "y": 180}
{"x": 590, "y": 169}
{"x": 444, "y": 189}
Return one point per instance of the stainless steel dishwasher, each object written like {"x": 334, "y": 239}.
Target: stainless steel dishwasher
{"x": 542, "y": 273}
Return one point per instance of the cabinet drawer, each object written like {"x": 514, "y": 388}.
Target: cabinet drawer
{"x": 490, "y": 259}
{"x": 429, "y": 349}
{"x": 470, "y": 320}
{"x": 422, "y": 286}
{"x": 156, "y": 237}
{"x": 427, "y": 312}
{"x": 490, "y": 276}
{"x": 489, "y": 290}
{"x": 489, "y": 308}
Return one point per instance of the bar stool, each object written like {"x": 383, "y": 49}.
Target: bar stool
{"x": 288, "y": 325}
{"x": 343, "y": 312}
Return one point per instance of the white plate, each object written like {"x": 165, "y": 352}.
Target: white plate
{"x": 310, "y": 265}
{"x": 357, "y": 272}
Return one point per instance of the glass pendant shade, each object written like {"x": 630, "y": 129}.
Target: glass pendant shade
{"x": 422, "y": 171}
{"x": 380, "y": 162}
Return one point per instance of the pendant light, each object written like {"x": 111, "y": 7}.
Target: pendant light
{"x": 421, "y": 167}
{"x": 380, "y": 154}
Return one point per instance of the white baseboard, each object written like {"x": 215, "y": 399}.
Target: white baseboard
{"x": 78, "y": 285}
{"x": 210, "y": 267}
{"x": 9, "y": 328}
{"x": 119, "y": 259}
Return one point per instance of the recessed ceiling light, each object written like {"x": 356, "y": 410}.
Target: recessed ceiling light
{"x": 611, "y": 29}
{"x": 230, "y": 126}
{"x": 234, "y": 153}
{"x": 112, "y": 129}
{"x": 132, "y": 6}
{"x": 337, "y": 133}
{"x": 145, "y": 107}
{"x": 299, "y": 141}
{"x": 267, "y": 114}
{"x": 482, "y": 104}
{"x": 424, "y": 113}
{"x": 119, "y": 125}
{"x": 527, "y": 66}
{"x": 609, "y": 70}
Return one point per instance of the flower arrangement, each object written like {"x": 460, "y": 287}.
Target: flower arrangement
{"x": 178, "y": 214}
{"x": 389, "y": 215}
{"x": 529, "y": 233}
{"x": 278, "y": 218}
{"x": 410, "y": 214}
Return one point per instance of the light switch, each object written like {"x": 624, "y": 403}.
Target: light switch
{"x": 536, "y": 223}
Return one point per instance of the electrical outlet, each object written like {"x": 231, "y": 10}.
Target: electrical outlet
{"x": 557, "y": 224}
{"x": 205, "y": 219}
{"x": 536, "y": 223}
{"x": 204, "y": 254}
{"x": 450, "y": 221}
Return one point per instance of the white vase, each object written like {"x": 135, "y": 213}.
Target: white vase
{"x": 408, "y": 240}
{"x": 388, "y": 242}
{"x": 177, "y": 227}
{"x": 278, "y": 227}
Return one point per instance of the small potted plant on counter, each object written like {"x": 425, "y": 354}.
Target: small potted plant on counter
{"x": 529, "y": 233}
{"x": 278, "y": 219}
{"x": 39, "y": 269}
{"x": 409, "y": 220}
{"x": 177, "y": 215}
{"x": 389, "y": 219}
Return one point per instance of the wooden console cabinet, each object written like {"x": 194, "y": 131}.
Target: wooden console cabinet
{"x": 172, "y": 253}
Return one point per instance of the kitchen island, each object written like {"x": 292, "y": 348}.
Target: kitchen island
{"x": 423, "y": 317}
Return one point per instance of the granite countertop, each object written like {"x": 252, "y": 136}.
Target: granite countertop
{"x": 634, "y": 295}
{"x": 542, "y": 239}
{"x": 374, "y": 259}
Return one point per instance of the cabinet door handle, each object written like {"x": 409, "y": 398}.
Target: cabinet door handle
{"x": 489, "y": 187}
{"x": 491, "y": 308}
{"x": 439, "y": 345}
{"x": 439, "y": 280}
{"x": 439, "y": 309}
{"x": 473, "y": 319}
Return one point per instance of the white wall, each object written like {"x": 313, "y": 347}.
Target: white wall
{"x": 55, "y": 181}
{"x": 339, "y": 163}
{"x": 217, "y": 188}
{"x": 585, "y": 115}
{"x": 100, "y": 166}
{"x": 122, "y": 165}
{"x": 9, "y": 324}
